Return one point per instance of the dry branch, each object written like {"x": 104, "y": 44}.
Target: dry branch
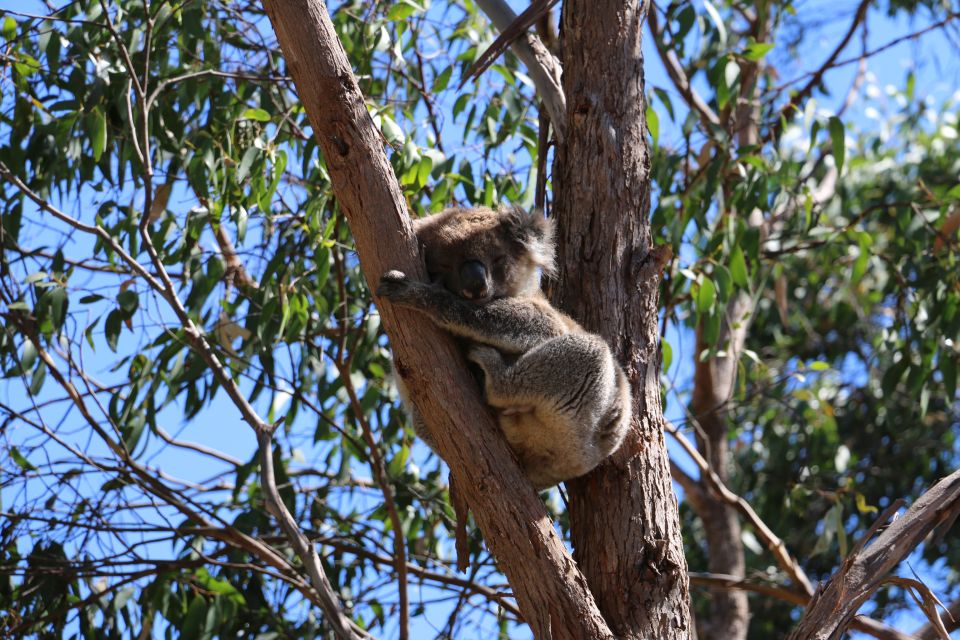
{"x": 864, "y": 571}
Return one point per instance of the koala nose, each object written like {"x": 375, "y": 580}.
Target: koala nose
{"x": 473, "y": 280}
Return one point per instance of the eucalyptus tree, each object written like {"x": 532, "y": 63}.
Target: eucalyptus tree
{"x": 190, "y": 205}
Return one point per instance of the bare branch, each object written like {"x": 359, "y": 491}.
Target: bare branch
{"x": 301, "y": 545}
{"x": 950, "y": 620}
{"x": 544, "y": 68}
{"x": 863, "y": 572}
{"x": 863, "y": 624}
{"x": 708, "y": 116}
{"x": 790, "y": 109}
{"x": 199, "y": 343}
{"x": 380, "y": 473}
{"x": 766, "y": 535}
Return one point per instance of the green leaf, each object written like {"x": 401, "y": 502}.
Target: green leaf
{"x": 893, "y": 375}
{"x": 757, "y": 51}
{"x": 57, "y": 299}
{"x": 724, "y": 282}
{"x": 399, "y": 462}
{"x": 98, "y": 134}
{"x": 717, "y": 22}
{"x": 129, "y": 301}
{"x": 219, "y": 587}
{"x": 391, "y": 131}
{"x": 260, "y": 115}
{"x": 948, "y": 369}
{"x": 112, "y": 328}
{"x": 731, "y": 72}
{"x": 36, "y": 381}
{"x": 442, "y": 80}
{"x": 241, "y": 223}
{"x": 832, "y": 526}
{"x": 133, "y": 430}
{"x": 423, "y": 169}
{"x": 21, "y": 462}
{"x": 665, "y": 100}
{"x": 653, "y": 124}
{"x": 837, "y": 139}
{"x": 246, "y": 162}
{"x": 194, "y": 626}
{"x": 29, "y": 356}
{"x": 402, "y": 10}
{"x": 706, "y": 295}
{"x": 9, "y": 29}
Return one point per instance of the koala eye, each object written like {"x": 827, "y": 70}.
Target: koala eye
{"x": 499, "y": 259}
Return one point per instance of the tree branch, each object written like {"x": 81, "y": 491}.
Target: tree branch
{"x": 950, "y": 620}
{"x": 789, "y": 109}
{"x": 766, "y": 535}
{"x": 543, "y": 67}
{"x": 863, "y": 624}
{"x": 306, "y": 551}
{"x": 864, "y": 570}
{"x": 708, "y": 116}
{"x": 550, "y": 591}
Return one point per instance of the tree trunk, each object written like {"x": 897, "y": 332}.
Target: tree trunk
{"x": 712, "y": 389}
{"x": 550, "y": 591}
{"x": 623, "y": 516}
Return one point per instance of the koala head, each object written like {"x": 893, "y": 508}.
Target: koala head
{"x": 480, "y": 254}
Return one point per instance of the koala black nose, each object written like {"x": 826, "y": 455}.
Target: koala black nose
{"x": 473, "y": 280}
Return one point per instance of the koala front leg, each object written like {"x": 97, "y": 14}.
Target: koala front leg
{"x": 510, "y": 325}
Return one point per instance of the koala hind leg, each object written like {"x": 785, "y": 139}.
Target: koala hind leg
{"x": 570, "y": 383}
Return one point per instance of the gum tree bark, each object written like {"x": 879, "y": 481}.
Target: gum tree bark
{"x": 623, "y": 516}
{"x": 551, "y": 592}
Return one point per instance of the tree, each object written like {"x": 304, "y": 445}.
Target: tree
{"x": 192, "y": 212}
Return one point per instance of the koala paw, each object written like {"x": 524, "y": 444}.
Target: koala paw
{"x": 392, "y": 284}
{"x": 486, "y": 357}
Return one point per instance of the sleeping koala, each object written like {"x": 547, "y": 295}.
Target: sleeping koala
{"x": 561, "y": 399}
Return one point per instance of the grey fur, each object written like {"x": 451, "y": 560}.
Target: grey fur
{"x": 562, "y": 400}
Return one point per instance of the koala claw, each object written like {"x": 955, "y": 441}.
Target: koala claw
{"x": 392, "y": 283}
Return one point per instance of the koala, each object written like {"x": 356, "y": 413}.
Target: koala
{"x": 560, "y": 397}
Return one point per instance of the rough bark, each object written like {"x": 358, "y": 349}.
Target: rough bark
{"x": 865, "y": 569}
{"x": 624, "y": 522}
{"x": 550, "y": 591}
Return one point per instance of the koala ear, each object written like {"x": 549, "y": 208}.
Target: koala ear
{"x": 534, "y": 232}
